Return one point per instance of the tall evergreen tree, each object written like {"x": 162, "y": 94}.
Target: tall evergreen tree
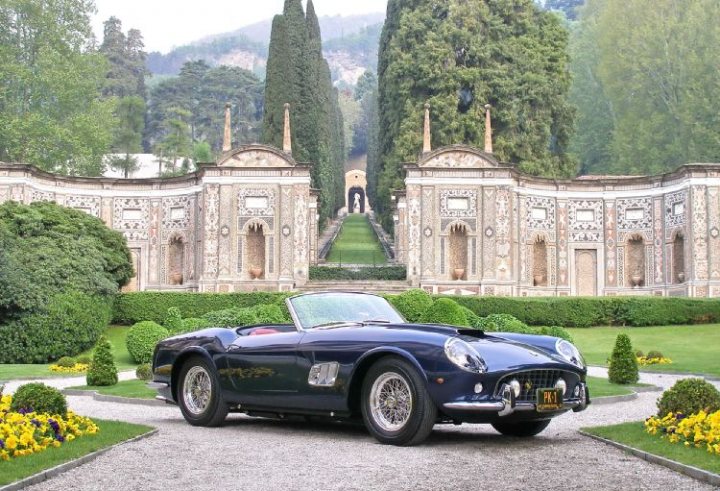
{"x": 460, "y": 55}
{"x": 126, "y": 57}
{"x": 128, "y": 134}
{"x": 298, "y": 74}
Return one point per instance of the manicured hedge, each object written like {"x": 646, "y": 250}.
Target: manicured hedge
{"x": 387, "y": 273}
{"x": 153, "y": 306}
{"x": 601, "y": 311}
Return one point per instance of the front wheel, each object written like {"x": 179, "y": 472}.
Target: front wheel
{"x": 199, "y": 394}
{"x": 396, "y": 406}
{"x": 521, "y": 428}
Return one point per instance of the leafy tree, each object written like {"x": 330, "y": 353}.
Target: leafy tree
{"x": 568, "y": 7}
{"x": 51, "y": 111}
{"x": 460, "y": 55}
{"x": 656, "y": 65}
{"x": 128, "y": 134}
{"x": 202, "y": 153}
{"x": 177, "y": 144}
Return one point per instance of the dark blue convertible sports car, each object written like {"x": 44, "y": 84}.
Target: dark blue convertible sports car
{"x": 351, "y": 355}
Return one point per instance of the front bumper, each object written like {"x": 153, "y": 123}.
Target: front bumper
{"x": 506, "y": 404}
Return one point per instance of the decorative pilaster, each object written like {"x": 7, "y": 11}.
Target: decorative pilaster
{"x": 227, "y": 138}
{"x": 427, "y": 146}
{"x": 488, "y": 130}
{"x": 287, "y": 137}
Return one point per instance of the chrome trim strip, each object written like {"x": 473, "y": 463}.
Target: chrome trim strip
{"x": 476, "y": 406}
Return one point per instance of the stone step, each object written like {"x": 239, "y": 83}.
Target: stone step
{"x": 356, "y": 286}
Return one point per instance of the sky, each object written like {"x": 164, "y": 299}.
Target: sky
{"x": 168, "y": 23}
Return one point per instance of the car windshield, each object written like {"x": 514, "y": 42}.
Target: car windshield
{"x": 321, "y": 310}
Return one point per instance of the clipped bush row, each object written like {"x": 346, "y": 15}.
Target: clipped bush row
{"x": 387, "y": 273}
{"x": 131, "y": 308}
{"x": 600, "y": 311}
{"x": 71, "y": 324}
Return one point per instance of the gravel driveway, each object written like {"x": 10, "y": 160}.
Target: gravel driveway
{"x": 255, "y": 454}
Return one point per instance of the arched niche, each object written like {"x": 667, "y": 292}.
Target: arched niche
{"x": 635, "y": 261}
{"x": 678, "y": 259}
{"x": 458, "y": 251}
{"x": 176, "y": 261}
{"x": 540, "y": 261}
{"x": 255, "y": 247}
{"x": 356, "y": 200}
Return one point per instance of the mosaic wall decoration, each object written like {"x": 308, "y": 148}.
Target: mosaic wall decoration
{"x": 634, "y": 214}
{"x": 256, "y": 202}
{"x": 131, "y": 216}
{"x": 88, "y": 204}
{"x": 36, "y": 196}
{"x": 458, "y": 203}
{"x": 675, "y": 210}
{"x": 586, "y": 218}
{"x": 212, "y": 228}
{"x": 540, "y": 214}
{"x": 177, "y": 212}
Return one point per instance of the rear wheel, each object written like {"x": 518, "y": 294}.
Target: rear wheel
{"x": 396, "y": 406}
{"x": 521, "y": 428}
{"x": 199, "y": 394}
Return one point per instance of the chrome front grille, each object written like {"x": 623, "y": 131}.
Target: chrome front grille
{"x": 532, "y": 380}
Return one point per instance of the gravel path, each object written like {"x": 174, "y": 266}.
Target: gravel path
{"x": 255, "y": 454}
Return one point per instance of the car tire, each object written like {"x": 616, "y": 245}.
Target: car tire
{"x": 521, "y": 428}
{"x": 199, "y": 395}
{"x": 396, "y": 406}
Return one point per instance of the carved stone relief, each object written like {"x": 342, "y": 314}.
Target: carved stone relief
{"x": 586, "y": 220}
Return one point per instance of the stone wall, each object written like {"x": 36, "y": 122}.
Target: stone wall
{"x": 596, "y": 235}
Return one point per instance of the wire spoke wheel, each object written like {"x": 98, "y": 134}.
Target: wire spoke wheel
{"x": 197, "y": 390}
{"x": 391, "y": 401}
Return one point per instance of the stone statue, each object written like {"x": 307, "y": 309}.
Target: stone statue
{"x": 356, "y": 203}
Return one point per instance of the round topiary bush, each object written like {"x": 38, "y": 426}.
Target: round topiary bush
{"x": 504, "y": 323}
{"x": 39, "y": 398}
{"x": 473, "y": 319}
{"x": 445, "y": 311}
{"x": 84, "y": 359}
{"x": 689, "y": 396}
{"x": 144, "y": 372}
{"x": 654, "y": 355}
{"x": 412, "y": 304}
{"x": 142, "y": 338}
{"x": 66, "y": 362}
{"x": 173, "y": 321}
{"x": 102, "y": 371}
{"x": 623, "y": 367}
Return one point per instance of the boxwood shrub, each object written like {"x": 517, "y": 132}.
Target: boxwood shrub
{"x": 71, "y": 324}
{"x": 39, "y": 398}
{"x": 412, "y": 303}
{"x": 142, "y": 338}
{"x": 689, "y": 396}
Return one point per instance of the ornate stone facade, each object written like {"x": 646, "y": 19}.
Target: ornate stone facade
{"x": 518, "y": 235}
{"x": 247, "y": 223}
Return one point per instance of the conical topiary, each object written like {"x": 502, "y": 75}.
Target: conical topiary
{"x": 623, "y": 364}
{"x": 102, "y": 370}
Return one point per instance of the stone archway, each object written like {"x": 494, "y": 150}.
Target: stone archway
{"x": 356, "y": 200}
{"x": 356, "y": 183}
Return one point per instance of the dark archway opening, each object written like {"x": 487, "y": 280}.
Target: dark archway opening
{"x": 352, "y": 202}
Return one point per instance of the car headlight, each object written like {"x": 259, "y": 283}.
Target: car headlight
{"x": 568, "y": 351}
{"x": 464, "y": 356}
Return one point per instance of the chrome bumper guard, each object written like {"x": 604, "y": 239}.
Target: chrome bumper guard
{"x": 163, "y": 391}
{"x": 507, "y": 405}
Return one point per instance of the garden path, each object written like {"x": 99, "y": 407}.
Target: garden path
{"x": 256, "y": 454}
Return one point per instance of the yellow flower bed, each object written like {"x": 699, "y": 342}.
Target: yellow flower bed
{"x": 78, "y": 368}
{"x": 698, "y": 430}
{"x": 645, "y": 361}
{"x": 28, "y": 433}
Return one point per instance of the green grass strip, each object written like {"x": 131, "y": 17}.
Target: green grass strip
{"x": 357, "y": 243}
{"x": 634, "y": 435}
{"x": 601, "y": 387}
{"x": 134, "y": 389}
{"x": 111, "y": 433}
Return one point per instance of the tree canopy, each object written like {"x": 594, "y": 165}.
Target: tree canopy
{"x": 460, "y": 55}
{"x": 52, "y": 113}
{"x": 647, "y": 90}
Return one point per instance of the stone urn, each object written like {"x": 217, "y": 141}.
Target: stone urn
{"x": 635, "y": 280}
{"x": 458, "y": 273}
{"x": 538, "y": 280}
{"x": 255, "y": 273}
{"x": 681, "y": 277}
{"x": 176, "y": 278}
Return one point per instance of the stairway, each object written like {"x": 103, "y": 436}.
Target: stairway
{"x": 372, "y": 286}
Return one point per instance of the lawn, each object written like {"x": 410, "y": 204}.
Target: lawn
{"x": 634, "y": 435}
{"x": 111, "y": 433}
{"x": 136, "y": 389}
{"x": 693, "y": 349}
{"x": 115, "y": 334}
{"x": 357, "y": 243}
{"x": 601, "y": 387}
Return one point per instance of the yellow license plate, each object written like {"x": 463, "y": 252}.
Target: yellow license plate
{"x": 549, "y": 399}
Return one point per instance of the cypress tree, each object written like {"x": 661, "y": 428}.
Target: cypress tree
{"x": 102, "y": 370}
{"x": 298, "y": 74}
{"x": 623, "y": 368}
